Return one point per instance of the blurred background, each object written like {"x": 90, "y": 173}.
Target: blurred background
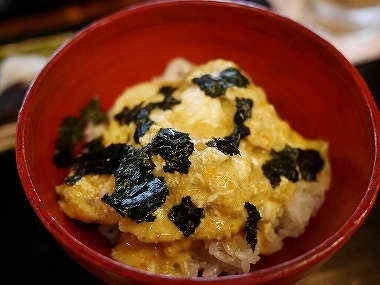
{"x": 30, "y": 31}
{"x": 24, "y": 19}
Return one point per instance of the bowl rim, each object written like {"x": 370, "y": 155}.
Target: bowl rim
{"x": 313, "y": 256}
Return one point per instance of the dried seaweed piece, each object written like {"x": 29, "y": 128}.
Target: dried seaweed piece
{"x": 140, "y": 115}
{"x": 139, "y": 200}
{"x": 285, "y": 162}
{"x": 127, "y": 115}
{"x": 138, "y": 193}
{"x": 64, "y": 156}
{"x": 78, "y": 174}
{"x": 174, "y": 147}
{"x": 186, "y": 216}
{"x": 240, "y": 131}
{"x": 103, "y": 160}
{"x": 224, "y": 145}
{"x": 99, "y": 161}
{"x": 310, "y": 163}
{"x": 71, "y": 132}
{"x": 243, "y": 112}
{"x": 96, "y": 145}
{"x": 93, "y": 112}
{"x": 251, "y": 224}
{"x": 217, "y": 86}
{"x": 169, "y": 100}
{"x": 143, "y": 122}
{"x": 229, "y": 144}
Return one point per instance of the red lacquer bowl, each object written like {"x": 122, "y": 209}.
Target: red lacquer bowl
{"x": 311, "y": 84}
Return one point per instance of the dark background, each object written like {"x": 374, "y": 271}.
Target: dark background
{"x": 29, "y": 255}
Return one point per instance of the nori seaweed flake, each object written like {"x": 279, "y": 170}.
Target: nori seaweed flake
{"x": 138, "y": 193}
{"x": 174, "y": 147}
{"x": 217, "y": 86}
{"x": 186, "y": 216}
{"x": 139, "y": 114}
{"x": 143, "y": 122}
{"x": 167, "y": 91}
{"x": 95, "y": 160}
{"x": 243, "y": 112}
{"x": 93, "y": 112}
{"x": 310, "y": 163}
{"x": 251, "y": 224}
{"x": 285, "y": 162}
{"x": 71, "y": 132}
{"x": 169, "y": 100}
{"x": 229, "y": 144}
{"x": 127, "y": 115}
{"x": 224, "y": 145}
{"x": 96, "y": 145}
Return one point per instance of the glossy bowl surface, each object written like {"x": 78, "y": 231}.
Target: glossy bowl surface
{"x": 310, "y": 83}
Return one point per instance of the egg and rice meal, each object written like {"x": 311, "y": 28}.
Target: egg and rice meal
{"x": 192, "y": 173}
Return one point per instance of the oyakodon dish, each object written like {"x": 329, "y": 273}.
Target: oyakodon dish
{"x": 193, "y": 173}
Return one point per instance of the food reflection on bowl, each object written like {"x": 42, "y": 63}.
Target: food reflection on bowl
{"x": 311, "y": 85}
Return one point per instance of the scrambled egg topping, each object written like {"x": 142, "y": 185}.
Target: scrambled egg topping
{"x": 219, "y": 184}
